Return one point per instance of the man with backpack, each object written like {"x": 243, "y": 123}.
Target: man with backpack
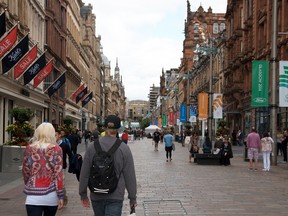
{"x": 107, "y": 171}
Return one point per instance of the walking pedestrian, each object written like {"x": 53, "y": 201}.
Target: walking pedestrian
{"x": 266, "y": 145}
{"x": 284, "y": 145}
{"x": 194, "y": 148}
{"x": 43, "y": 173}
{"x": 74, "y": 139}
{"x": 254, "y": 147}
{"x": 125, "y": 136}
{"x": 156, "y": 139}
{"x": 110, "y": 204}
{"x": 66, "y": 152}
{"x": 168, "y": 141}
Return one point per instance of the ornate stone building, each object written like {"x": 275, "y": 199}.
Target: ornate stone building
{"x": 249, "y": 37}
{"x": 200, "y": 28}
{"x": 31, "y": 18}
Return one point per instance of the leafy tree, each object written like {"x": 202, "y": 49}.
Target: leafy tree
{"x": 144, "y": 123}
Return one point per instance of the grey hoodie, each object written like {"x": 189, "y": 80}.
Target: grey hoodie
{"x": 124, "y": 166}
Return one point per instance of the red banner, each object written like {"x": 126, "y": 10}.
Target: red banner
{"x": 25, "y": 62}
{"x": 43, "y": 73}
{"x": 171, "y": 118}
{"x": 8, "y": 41}
{"x": 77, "y": 92}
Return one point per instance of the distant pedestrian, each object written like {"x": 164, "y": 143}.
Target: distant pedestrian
{"x": 226, "y": 152}
{"x": 168, "y": 141}
{"x": 254, "y": 147}
{"x": 234, "y": 138}
{"x": 240, "y": 138}
{"x": 266, "y": 145}
{"x": 43, "y": 173}
{"x": 194, "y": 148}
{"x": 125, "y": 136}
{"x": 74, "y": 139}
{"x": 156, "y": 139}
{"x": 284, "y": 145}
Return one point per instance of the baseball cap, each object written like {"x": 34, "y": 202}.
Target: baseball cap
{"x": 112, "y": 122}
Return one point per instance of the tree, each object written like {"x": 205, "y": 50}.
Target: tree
{"x": 144, "y": 123}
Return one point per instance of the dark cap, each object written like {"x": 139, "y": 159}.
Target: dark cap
{"x": 112, "y": 122}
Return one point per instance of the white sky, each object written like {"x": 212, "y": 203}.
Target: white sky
{"x": 145, "y": 36}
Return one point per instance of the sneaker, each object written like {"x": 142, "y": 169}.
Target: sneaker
{"x": 170, "y": 159}
{"x": 264, "y": 170}
{"x": 167, "y": 160}
{"x": 256, "y": 169}
{"x": 251, "y": 169}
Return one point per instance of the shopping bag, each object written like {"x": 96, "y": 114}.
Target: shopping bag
{"x": 173, "y": 147}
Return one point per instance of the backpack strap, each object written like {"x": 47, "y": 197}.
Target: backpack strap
{"x": 115, "y": 146}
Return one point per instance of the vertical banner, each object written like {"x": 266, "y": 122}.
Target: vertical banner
{"x": 56, "y": 85}
{"x": 156, "y": 121}
{"x": 183, "y": 113}
{"x": 283, "y": 84}
{"x": 217, "y": 106}
{"x": 164, "y": 121}
{"x": 171, "y": 118}
{"x": 87, "y": 99}
{"x": 193, "y": 113}
{"x": 203, "y": 106}
{"x": 260, "y": 75}
{"x": 43, "y": 73}
{"x": 160, "y": 122}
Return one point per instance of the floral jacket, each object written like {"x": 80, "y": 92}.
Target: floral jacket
{"x": 42, "y": 170}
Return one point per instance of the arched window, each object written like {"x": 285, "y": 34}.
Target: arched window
{"x": 196, "y": 28}
{"x": 222, "y": 26}
{"x": 215, "y": 28}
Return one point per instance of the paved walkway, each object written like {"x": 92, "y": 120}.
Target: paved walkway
{"x": 179, "y": 187}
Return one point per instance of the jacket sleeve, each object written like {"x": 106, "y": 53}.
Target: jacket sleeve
{"x": 58, "y": 172}
{"x": 130, "y": 176}
{"x": 25, "y": 165}
{"x": 85, "y": 172}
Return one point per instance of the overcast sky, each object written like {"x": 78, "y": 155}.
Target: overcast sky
{"x": 145, "y": 36}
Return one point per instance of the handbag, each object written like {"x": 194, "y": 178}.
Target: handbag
{"x": 173, "y": 147}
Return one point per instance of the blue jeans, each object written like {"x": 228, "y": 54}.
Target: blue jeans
{"x": 34, "y": 210}
{"x": 107, "y": 207}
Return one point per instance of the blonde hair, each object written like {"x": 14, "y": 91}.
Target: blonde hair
{"x": 44, "y": 134}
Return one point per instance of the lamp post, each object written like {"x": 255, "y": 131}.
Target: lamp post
{"x": 210, "y": 105}
{"x": 273, "y": 86}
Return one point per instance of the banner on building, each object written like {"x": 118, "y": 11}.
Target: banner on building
{"x": 203, "y": 106}
{"x": 260, "y": 75}
{"x": 160, "y": 122}
{"x": 171, "y": 118}
{"x": 15, "y": 54}
{"x": 25, "y": 62}
{"x": 217, "y": 106}
{"x": 193, "y": 113}
{"x": 81, "y": 94}
{"x": 164, "y": 120}
{"x": 34, "y": 69}
{"x": 81, "y": 88}
{"x": 8, "y": 41}
{"x": 283, "y": 83}
{"x": 43, "y": 73}
{"x": 56, "y": 85}
{"x": 183, "y": 113}
{"x": 2, "y": 24}
{"x": 87, "y": 99}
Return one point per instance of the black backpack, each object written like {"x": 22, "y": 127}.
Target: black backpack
{"x": 103, "y": 178}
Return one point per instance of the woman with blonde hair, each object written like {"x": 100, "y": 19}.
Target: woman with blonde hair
{"x": 42, "y": 173}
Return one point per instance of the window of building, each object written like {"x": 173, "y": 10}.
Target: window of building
{"x": 222, "y": 26}
{"x": 196, "y": 28}
{"x": 215, "y": 28}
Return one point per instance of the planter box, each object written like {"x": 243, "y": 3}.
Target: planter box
{"x": 11, "y": 158}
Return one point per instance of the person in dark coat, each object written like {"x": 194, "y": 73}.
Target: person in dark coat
{"x": 74, "y": 139}
{"x": 226, "y": 152}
